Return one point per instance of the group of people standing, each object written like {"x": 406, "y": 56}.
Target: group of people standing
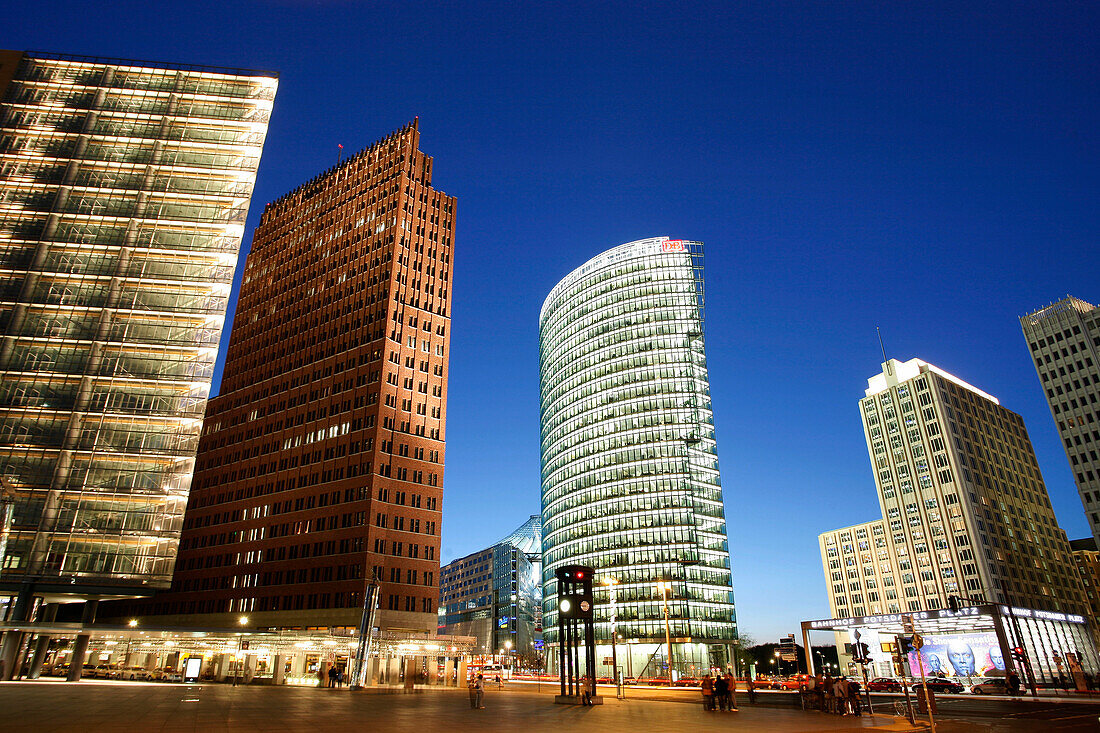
{"x": 839, "y": 696}
{"x": 720, "y": 693}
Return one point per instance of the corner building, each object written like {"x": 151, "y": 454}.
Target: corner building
{"x": 1064, "y": 340}
{"x": 321, "y": 462}
{"x": 630, "y": 481}
{"x": 965, "y": 513}
{"x": 124, "y": 188}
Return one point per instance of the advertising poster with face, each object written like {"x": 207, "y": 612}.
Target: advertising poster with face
{"x": 959, "y": 655}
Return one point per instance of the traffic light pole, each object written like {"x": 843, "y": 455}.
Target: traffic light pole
{"x": 917, "y": 644}
{"x": 904, "y": 687}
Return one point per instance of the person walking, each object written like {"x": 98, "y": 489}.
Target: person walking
{"x": 479, "y": 691}
{"x": 750, "y": 686}
{"x": 841, "y": 694}
{"x": 854, "y": 700}
{"x": 731, "y": 692}
{"x": 708, "y": 692}
{"x": 471, "y": 687}
{"x": 1012, "y": 684}
{"x": 721, "y": 692}
{"x": 332, "y": 676}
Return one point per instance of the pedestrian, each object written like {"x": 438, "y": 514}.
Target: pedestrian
{"x": 721, "y": 692}
{"x": 586, "y": 691}
{"x": 750, "y": 685}
{"x": 1012, "y": 683}
{"x": 854, "y": 702}
{"x": 332, "y": 676}
{"x": 828, "y": 697}
{"x": 471, "y": 687}
{"x": 479, "y": 690}
{"x": 840, "y": 692}
{"x": 731, "y": 692}
{"x": 339, "y": 677}
{"x": 708, "y": 692}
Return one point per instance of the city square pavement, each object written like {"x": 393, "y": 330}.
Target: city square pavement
{"x": 135, "y": 707}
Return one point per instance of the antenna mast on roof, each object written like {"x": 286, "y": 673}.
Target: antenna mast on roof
{"x": 885, "y": 361}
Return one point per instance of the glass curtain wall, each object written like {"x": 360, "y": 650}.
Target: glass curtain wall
{"x": 630, "y": 481}
{"x": 123, "y": 196}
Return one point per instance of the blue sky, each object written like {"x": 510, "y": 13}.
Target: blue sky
{"x": 930, "y": 168}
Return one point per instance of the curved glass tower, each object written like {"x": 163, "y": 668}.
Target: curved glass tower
{"x": 630, "y": 479}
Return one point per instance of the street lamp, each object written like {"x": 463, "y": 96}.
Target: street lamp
{"x": 611, "y": 583}
{"x": 243, "y": 621}
{"x": 508, "y": 652}
{"x": 778, "y": 664}
{"x": 665, "y": 587}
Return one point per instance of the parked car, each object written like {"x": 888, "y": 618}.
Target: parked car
{"x": 989, "y": 686}
{"x": 884, "y": 684}
{"x": 61, "y": 669}
{"x": 630, "y": 680}
{"x": 938, "y": 684}
{"x": 167, "y": 675}
{"x": 134, "y": 673}
{"x": 686, "y": 682}
{"x": 105, "y": 672}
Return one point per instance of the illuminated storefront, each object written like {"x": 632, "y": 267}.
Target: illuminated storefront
{"x": 251, "y": 657}
{"x": 630, "y": 482}
{"x": 969, "y": 643}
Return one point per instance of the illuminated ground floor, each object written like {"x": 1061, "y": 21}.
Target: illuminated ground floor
{"x": 308, "y": 658}
{"x": 643, "y": 659}
{"x": 1049, "y": 649}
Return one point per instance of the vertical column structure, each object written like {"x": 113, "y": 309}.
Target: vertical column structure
{"x": 124, "y": 189}
{"x": 630, "y": 482}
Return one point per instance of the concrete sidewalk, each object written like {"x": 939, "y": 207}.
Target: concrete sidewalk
{"x": 139, "y": 707}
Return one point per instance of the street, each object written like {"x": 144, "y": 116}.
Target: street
{"x": 129, "y": 707}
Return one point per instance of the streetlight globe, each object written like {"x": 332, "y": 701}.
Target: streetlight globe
{"x": 243, "y": 620}
{"x": 508, "y": 644}
{"x": 133, "y": 622}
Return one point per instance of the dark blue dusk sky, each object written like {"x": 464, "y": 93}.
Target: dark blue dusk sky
{"x": 931, "y": 168}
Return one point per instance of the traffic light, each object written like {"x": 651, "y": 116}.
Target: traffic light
{"x": 954, "y": 603}
{"x": 905, "y": 645}
{"x": 865, "y": 653}
{"x": 1018, "y": 653}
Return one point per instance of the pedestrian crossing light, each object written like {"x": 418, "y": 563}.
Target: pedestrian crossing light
{"x": 954, "y": 603}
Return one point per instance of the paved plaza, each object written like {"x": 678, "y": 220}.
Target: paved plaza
{"x": 125, "y": 707}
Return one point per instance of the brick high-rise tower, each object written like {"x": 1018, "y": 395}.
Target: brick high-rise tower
{"x": 321, "y": 461}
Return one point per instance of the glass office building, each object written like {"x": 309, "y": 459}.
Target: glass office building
{"x": 630, "y": 481}
{"x": 124, "y": 189}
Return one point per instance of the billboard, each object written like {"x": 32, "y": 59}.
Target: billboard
{"x": 958, "y": 655}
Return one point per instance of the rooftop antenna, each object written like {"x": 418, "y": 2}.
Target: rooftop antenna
{"x": 885, "y": 361}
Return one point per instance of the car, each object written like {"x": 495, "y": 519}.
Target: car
{"x": 937, "y": 684}
{"x": 105, "y": 672}
{"x": 167, "y": 675}
{"x": 884, "y": 684}
{"x": 989, "y": 686}
{"x": 134, "y": 673}
{"x": 686, "y": 682}
{"x": 630, "y": 680}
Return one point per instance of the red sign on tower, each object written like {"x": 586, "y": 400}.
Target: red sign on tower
{"x": 673, "y": 245}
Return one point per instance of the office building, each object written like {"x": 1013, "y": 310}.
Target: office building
{"x": 495, "y": 595}
{"x": 965, "y": 511}
{"x": 1088, "y": 566}
{"x": 320, "y": 464}
{"x": 124, "y": 188}
{"x": 630, "y": 482}
{"x": 1064, "y": 339}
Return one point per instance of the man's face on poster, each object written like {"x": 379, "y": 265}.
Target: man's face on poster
{"x": 962, "y": 658}
{"x": 932, "y": 661}
{"x": 996, "y": 657}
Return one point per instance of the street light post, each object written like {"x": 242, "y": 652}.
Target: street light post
{"x": 665, "y": 586}
{"x": 611, "y": 583}
{"x": 778, "y": 665}
{"x": 243, "y": 620}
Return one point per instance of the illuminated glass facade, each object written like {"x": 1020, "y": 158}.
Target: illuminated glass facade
{"x": 630, "y": 481}
{"x": 123, "y": 195}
